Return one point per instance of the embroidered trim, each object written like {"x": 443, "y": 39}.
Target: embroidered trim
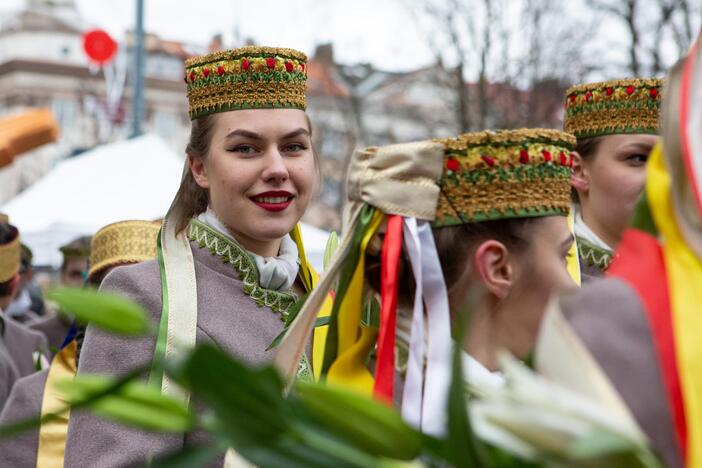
{"x": 505, "y": 174}
{"x": 220, "y": 245}
{"x": 123, "y": 242}
{"x": 9, "y": 259}
{"x": 613, "y": 107}
{"x": 246, "y": 78}
{"x": 593, "y": 255}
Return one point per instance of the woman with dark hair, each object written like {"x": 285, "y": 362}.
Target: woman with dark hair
{"x": 231, "y": 262}
{"x": 432, "y": 226}
{"x": 616, "y": 123}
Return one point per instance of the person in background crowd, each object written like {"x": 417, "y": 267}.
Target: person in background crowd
{"x": 28, "y": 303}
{"x": 616, "y": 123}
{"x": 122, "y": 243}
{"x": 75, "y": 262}
{"x": 73, "y": 271}
{"x": 24, "y": 347}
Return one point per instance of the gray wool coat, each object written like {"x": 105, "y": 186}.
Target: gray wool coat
{"x": 610, "y": 319}
{"x": 227, "y": 317}
{"x": 25, "y": 402}
{"x": 21, "y": 344}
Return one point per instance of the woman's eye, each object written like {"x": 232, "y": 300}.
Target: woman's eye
{"x": 295, "y": 147}
{"x": 638, "y": 159}
{"x": 243, "y": 149}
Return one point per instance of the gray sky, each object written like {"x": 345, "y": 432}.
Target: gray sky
{"x": 382, "y": 32}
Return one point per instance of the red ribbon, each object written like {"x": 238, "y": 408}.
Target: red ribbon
{"x": 383, "y": 388}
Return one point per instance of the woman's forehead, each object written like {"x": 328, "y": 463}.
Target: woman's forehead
{"x": 268, "y": 122}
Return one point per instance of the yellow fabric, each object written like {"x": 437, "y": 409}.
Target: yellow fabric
{"x": 9, "y": 260}
{"x": 349, "y": 368}
{"x": 573, "y": 260}
{"x": 52, "y": 433}
{"x": 684, "y": 271}
{"x": 310, "y": 278}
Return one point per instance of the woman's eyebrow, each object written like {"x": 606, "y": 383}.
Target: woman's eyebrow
{"x": 244, "y": 133}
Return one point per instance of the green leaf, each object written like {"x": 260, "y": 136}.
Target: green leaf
{"x": 134, "y": 403}
{"x": 330, "y": 248}
{"x": 290, "y": 317}
{"x": 104, "y": 310}
{"x": 463, "y": 446}
{"x": 368, "y": 425}
{"x": 247, "y": 402}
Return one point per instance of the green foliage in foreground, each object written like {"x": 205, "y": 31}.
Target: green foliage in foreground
{"x": 314, "y": 425}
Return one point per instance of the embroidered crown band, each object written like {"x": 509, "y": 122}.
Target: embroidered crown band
{"x": 249, "y": 77}
{"x": 123, "y": 242}
{"x": 10, "y": 258}
{"x": 505, "y": 174}
{"x": 613, "y": 107}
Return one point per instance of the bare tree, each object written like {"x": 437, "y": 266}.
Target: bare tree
{"x": 649, "y": 24}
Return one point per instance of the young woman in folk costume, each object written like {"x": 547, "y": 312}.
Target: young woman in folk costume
{"x": 616, "y": 123}
{"x": 117, "y": 244}
{"x": 484, "y": 212}
{"x": 642, "y": 324}
{"x": 231, "y": 261}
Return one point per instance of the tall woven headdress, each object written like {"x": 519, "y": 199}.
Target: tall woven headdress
{"x": 123, "y": 243}
{"x": 613, "y": 107}
{"x": 406, "y": 190}
{"x": 249, "y": 77}
{"x": 10, "y": 256}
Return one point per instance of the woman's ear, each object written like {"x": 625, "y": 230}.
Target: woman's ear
{"x": 580, "y": 179}
{"x": 493, "y": 267}
{"x": 198, "y": 170}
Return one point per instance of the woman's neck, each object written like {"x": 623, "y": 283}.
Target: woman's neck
{"x": 482, "y": 340}
{"x": 608, "y": 237}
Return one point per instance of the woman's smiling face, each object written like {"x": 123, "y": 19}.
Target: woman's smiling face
{"x": 260, "y": 173}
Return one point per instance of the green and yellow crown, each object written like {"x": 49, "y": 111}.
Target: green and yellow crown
{"x": 249, "y": 77}
{"x": 613, "y": 107}
{"x": 505, "y": 174}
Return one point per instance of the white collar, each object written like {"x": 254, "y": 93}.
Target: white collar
{"x": 277, "y": 273}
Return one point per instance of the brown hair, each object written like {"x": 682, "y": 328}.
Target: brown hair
{"x": 191, "y": 198}
{"x": 455, "y": 246}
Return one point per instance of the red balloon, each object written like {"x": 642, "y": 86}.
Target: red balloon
{"x": 99, "y": 46}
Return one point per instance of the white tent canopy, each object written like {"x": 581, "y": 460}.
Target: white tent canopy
{"x": 132, "y": 179}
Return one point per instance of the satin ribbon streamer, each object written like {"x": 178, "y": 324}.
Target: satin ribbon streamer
{"x": 392, "y": 247}
{"x": 426, "y": 409}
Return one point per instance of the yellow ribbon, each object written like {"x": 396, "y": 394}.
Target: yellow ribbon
{"x": 573, "y": 262}
{"x": 349, "y": 369}
{"x": 310, "y": 279}
{"x": 53, "y": 432}
{"x": 684, "y": 271}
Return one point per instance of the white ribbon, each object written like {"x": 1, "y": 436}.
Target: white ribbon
{"x": 414, "y": 380}
{"x": 425, "y": 399}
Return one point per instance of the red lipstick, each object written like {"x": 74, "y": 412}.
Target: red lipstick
{"x": 274, "y": 200}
